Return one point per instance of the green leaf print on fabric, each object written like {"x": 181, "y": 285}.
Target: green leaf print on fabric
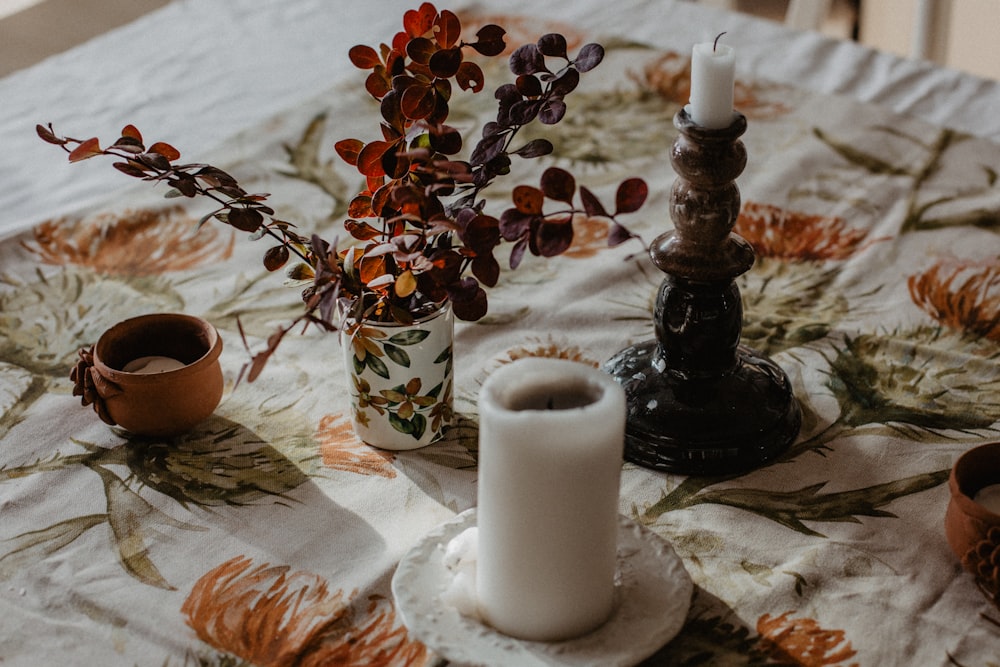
{"x": 791, "y": 508}
{"x": 919, "y": 172}
{"x": 219, "y": 463}
{"x": 305, "y": 164}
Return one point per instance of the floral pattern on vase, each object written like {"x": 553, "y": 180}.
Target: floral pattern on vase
{"x": 400, "y": 379}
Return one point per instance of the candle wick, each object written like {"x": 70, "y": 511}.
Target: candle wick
{"x": 715, "y": 44}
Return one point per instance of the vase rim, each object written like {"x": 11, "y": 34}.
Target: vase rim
{"x": 442, "y": 308}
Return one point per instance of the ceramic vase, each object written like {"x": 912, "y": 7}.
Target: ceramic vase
{"x": 400, "y": 379}
{"x": 153, "y": 404}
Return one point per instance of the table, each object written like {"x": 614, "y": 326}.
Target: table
{"x": 269, "y": 535}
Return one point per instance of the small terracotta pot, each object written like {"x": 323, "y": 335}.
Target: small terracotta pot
{"x": 157, "y": 404}
{"x": 973, "y": 532}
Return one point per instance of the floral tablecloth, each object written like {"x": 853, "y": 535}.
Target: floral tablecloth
{"x": 269, "y": 534}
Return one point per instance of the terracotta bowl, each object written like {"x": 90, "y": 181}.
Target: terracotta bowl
{"x": 163, "y": 403}
{"x": 973, "y": 532}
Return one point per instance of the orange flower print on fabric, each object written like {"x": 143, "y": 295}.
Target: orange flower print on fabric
{"x": 266, "y": 615}
{"x": 377, "y": 641}
{"x": 802, "y": 642}
{"x": 134, "y": 243}
{"x": 798, "y": 237}
{"x": 342, "y": 450}
{"x": 272, "y": 616}
{"x": 669, "y": 76}
{"x": 961, "y": 295}
{"x": 549, "y": 350}
{"x": 590, "y": 236}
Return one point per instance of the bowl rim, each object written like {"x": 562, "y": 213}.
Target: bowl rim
{"x": 199, "y": 365}
{"x": 973, "y": 470}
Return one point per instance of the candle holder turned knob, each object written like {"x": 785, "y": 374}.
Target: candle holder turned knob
{"x": 698, "y": 401}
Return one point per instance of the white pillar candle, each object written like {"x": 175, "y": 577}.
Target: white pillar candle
{"x": 153, "y": 364}
{"x": 989, "y": 497}
{"x": 713, "y": 71}
{"x": 551, "y": 440}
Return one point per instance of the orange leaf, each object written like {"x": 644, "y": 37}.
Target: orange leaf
{"x": 406, "y": 285}
{"x": 166, "y": 150}
{"x": 528, "y": 200}
{"x": 132, "y": 132}
{"x": 86, "y": 149}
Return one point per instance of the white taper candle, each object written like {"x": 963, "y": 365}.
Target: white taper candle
{"x": 713, "y": 71}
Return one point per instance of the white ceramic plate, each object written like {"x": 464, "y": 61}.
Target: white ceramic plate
{"x": 652, "y": 592}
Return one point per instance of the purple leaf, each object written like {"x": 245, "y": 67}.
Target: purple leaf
{"x": 618, "y": 235}
{"x": 490, "y": 40}
{"x": 590, "y": 56}
{"x": 552, "y": 44}
{"x": 552, "y": 111}
{"x": 535, "y": 148}
{"x": 527, "y": 59}
{"x": 559, "y": 184}
{"x": 592, "y": 205}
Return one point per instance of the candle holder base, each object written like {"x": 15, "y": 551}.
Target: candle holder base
{"x": 718, "y": 425}
{"x": 652, "y": 600}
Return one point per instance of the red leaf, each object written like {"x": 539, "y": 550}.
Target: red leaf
{"x": 166, "y": 150}
{"x": 361, "y": 230}
{"x": 364, "y": 57}
{"x": 245, "y": 219}
{"x": 370, "y": 158}
{"x": 449, "y": 29}
{"x": 554, "y": 236}
{"x": 86, "y": 149}
{"x": 420, "y": 50}
{"x": 445, "y": 63}
{"x": 377, "y": 84}
{"x": 418, "y": 22}
{"x": 275, "y": 257}
{"x": 348, "y": 150}
{"x": 591, "y": 204}
{"x": 470, "y": 305}
{"x": 631, "y": 195}
{"x": 418, "y": 102}
{"x": 470, "y": 77}
{"x": 528, "y": 200}
{"x": 361, "y": 207}
{"x": 399, "y": 42}
{"x": 486, "y": 269}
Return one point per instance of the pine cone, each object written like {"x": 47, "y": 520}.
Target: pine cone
{"x": 983, "y": 560}
{"x": 91, "y": 386}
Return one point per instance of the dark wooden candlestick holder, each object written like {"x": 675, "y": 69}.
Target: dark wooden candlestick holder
{"x": 698, "y": 401}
